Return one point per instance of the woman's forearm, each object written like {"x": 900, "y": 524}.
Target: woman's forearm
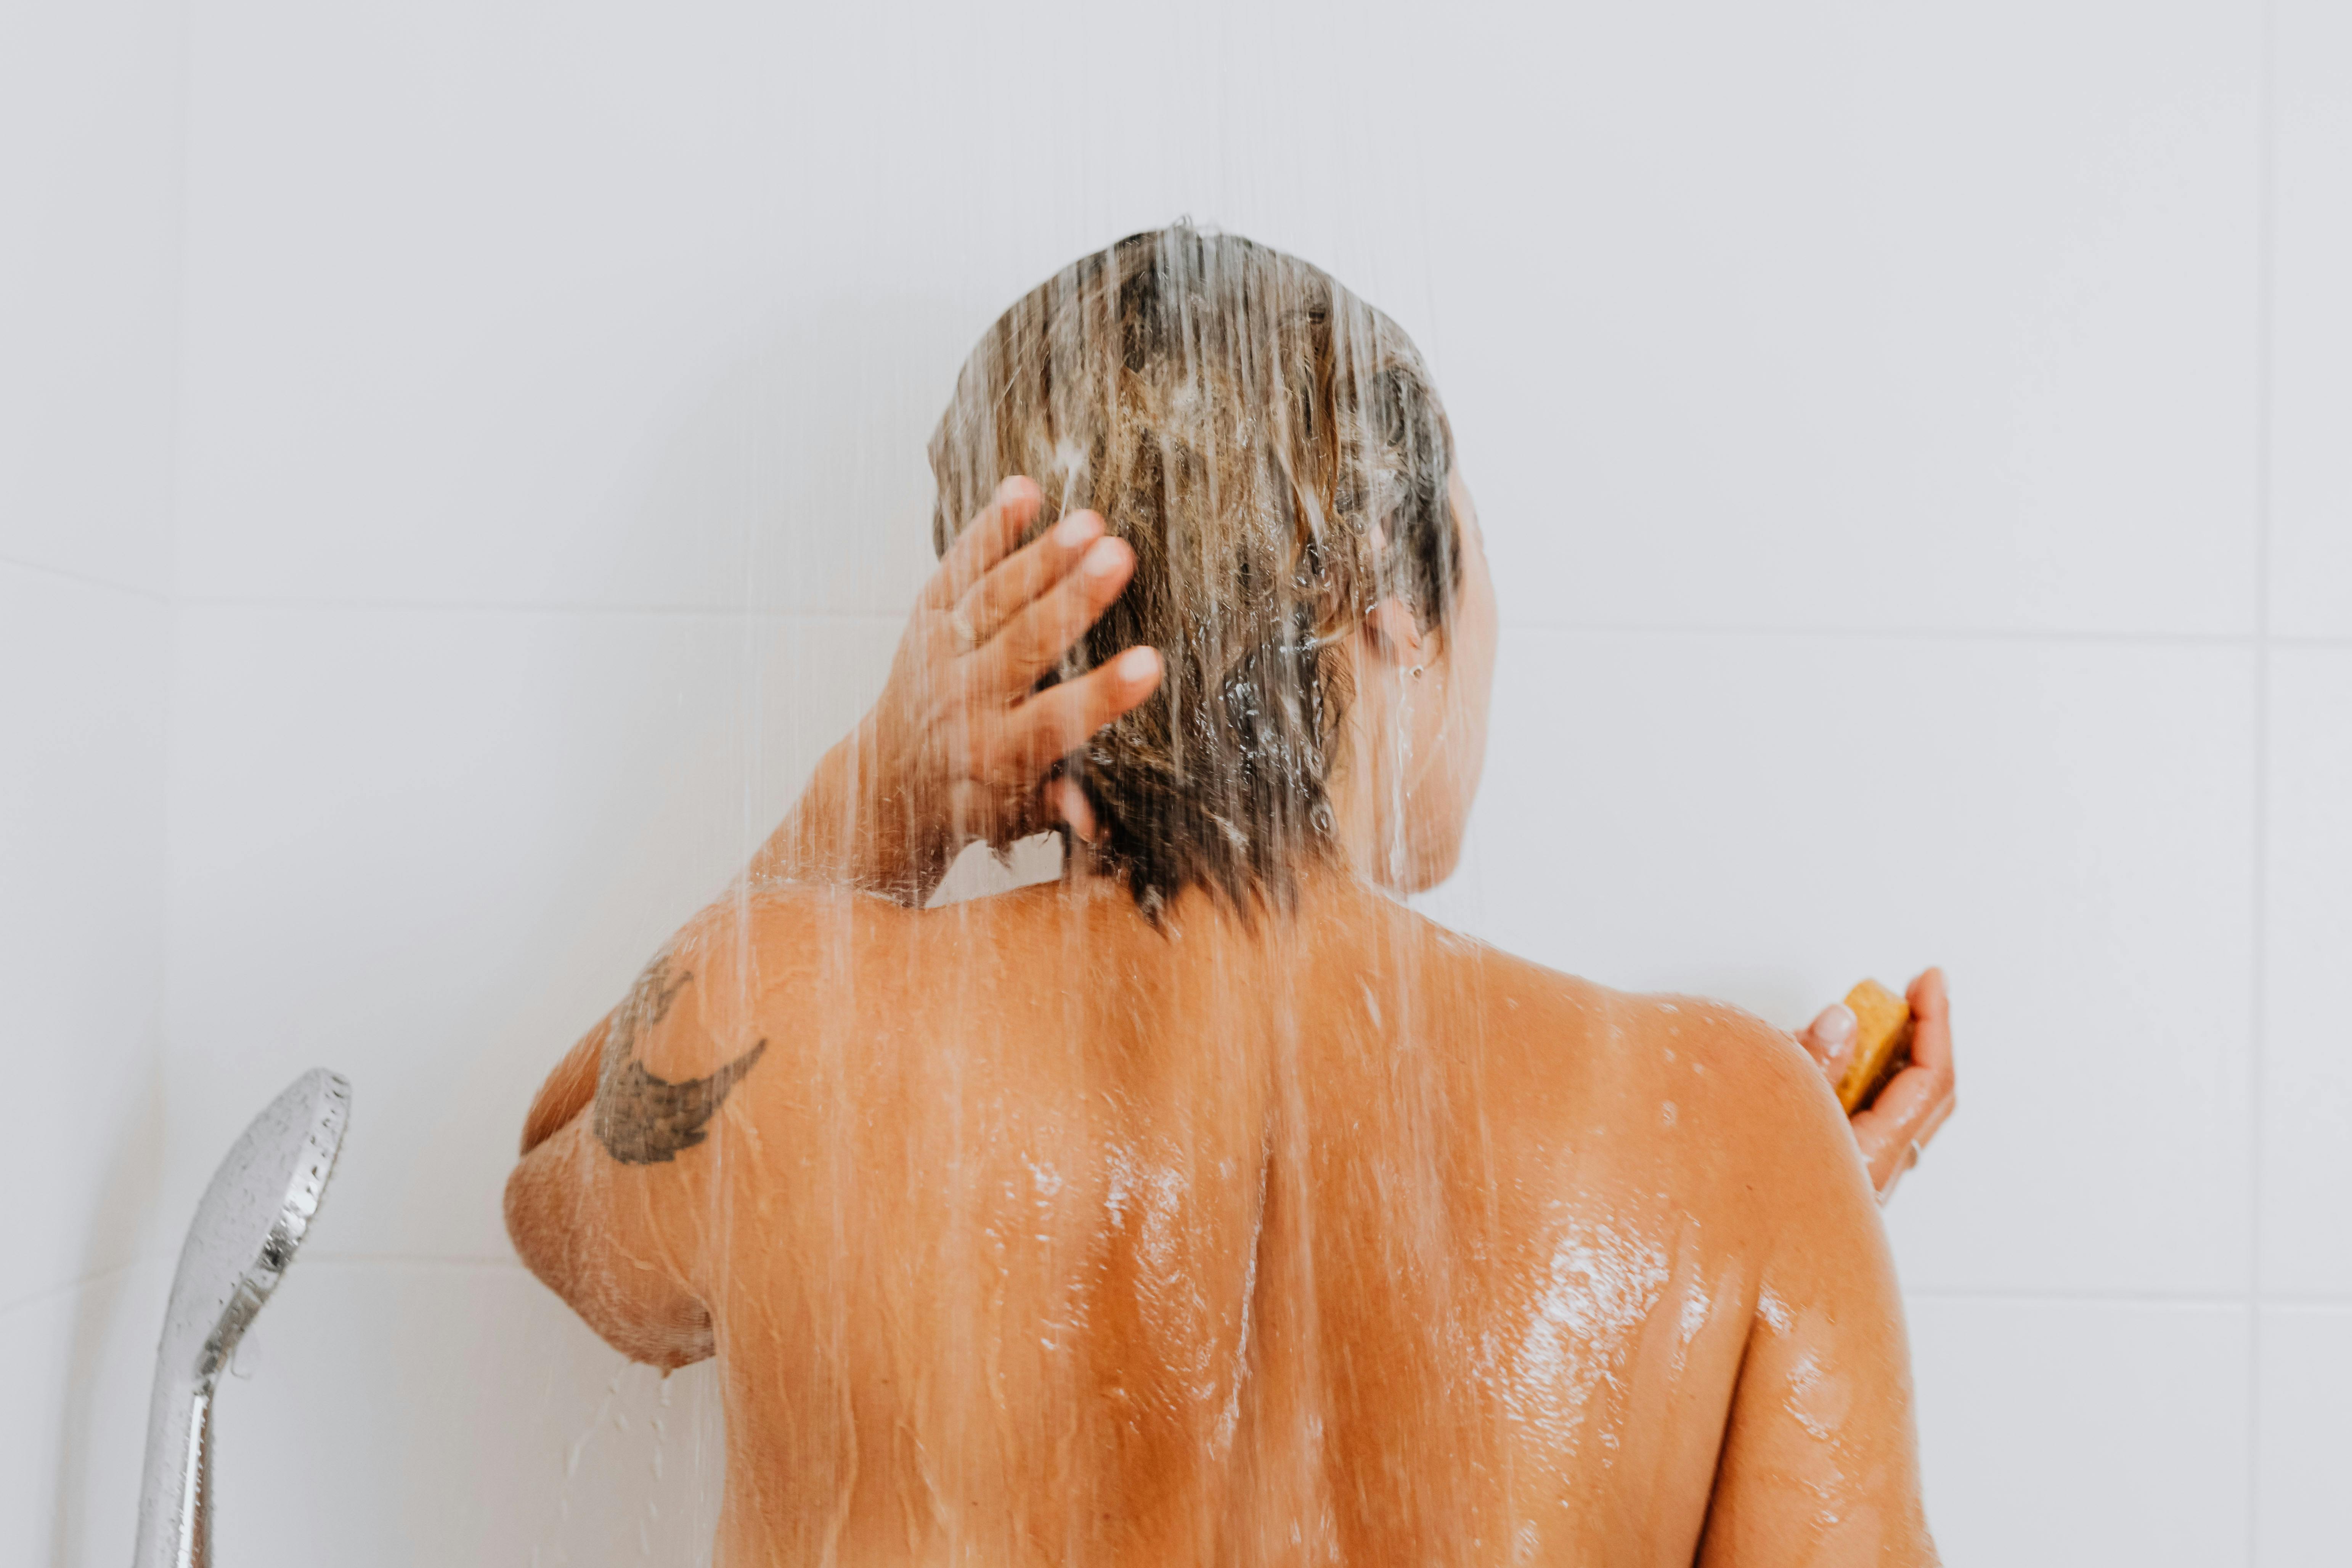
{"x": 852, "y": 827}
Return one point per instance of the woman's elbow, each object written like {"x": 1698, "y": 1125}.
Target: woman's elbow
{"x": 632, "y": 1304}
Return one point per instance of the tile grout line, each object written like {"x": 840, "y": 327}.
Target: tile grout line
{"x": 2209, "y": 1301}
{"x": 2059, "y": 636}
{"x": 2326, "y": 1301}
{"x": 1995, "y": 635}
{"x": 296, "y": 603}
{"x": 2265, "y": 269}
{"x": 153, "y": 596}
{"x": 96, "y": 1276}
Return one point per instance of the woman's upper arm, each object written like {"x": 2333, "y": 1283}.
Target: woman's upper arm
{"x": 1820, "y": 1461}
{"x": 612, "y": 1202}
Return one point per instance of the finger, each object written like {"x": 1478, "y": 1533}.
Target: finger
{"x": 1065, "y": 801}
{"x": 1885, "y": 1155}
{"x": 1057, "y": 722}
{"x": 1036, "y": 638}
{"x": 1900, "y": 1113}
{"x": 1938, "y": 1115}
{"x": 1885, "y": 1185}
{"x": 1906, "y": 1112}
{"x": 1931, "y": 1021}
{"x": 1017, "y": 580}
{"x": 985, "y": 541}
{"x": 1829, "y": 1039}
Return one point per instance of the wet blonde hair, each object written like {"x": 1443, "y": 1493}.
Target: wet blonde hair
{"x": 1271, "y": 447}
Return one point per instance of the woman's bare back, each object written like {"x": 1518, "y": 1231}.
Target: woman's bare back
{"x": 1038, "y": 1234}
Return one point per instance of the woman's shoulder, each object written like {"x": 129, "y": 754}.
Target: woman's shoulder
{"x": 1636, "y": 1028}
{"x": 768, "y": 945}
{"x": 1701, "y": 1083}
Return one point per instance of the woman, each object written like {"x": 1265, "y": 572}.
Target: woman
{"x": 1208, "y": 1205}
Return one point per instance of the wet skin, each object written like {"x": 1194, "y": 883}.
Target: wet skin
{"x": 1331, "y": 1237}
{"x": 1026, "y": 1231}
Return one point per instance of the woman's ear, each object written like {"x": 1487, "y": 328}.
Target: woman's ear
{"x": 1392, "y": 629}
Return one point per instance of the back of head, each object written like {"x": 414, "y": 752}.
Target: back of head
{"x": 1271, "y": 447}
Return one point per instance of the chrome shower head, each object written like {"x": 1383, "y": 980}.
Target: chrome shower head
{"x": 253, "y": 1216}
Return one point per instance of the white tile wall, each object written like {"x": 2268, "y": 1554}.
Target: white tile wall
{"x": 81, "y": 929}
{"x": 2306, "y": 1110}
{"x": 2311, "y": 330}
{"x": 89, "y": 283}
{"x": 1989, "y": 339}
{"x": 1867, "y": 408}
{"x": 1820, "y": 315}
{"x": 545, "y": 1445}
{"x": 90, "y": 275}
{"x": 2057, "y": 1432}
{"x": 70, "y": 1449}
{"x": 553, "y": 1449}
{"x": 607, "y": 316}
{"x": 2306, "y": 1443}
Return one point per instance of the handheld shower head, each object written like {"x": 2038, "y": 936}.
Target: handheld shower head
{"x": 252, "y": 1217}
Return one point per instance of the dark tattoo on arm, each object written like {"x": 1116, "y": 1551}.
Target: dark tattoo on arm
{"x": 641, "y": 1120}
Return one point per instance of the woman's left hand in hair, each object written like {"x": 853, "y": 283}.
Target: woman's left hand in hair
{"x": 962, "y": 742}
{"x": 1904, "y": 1116}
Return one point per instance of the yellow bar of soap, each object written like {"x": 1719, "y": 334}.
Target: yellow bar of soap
{"x": 1881, "y": 1043}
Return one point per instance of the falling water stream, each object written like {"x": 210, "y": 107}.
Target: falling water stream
{"x": 1199, "y": 1201}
